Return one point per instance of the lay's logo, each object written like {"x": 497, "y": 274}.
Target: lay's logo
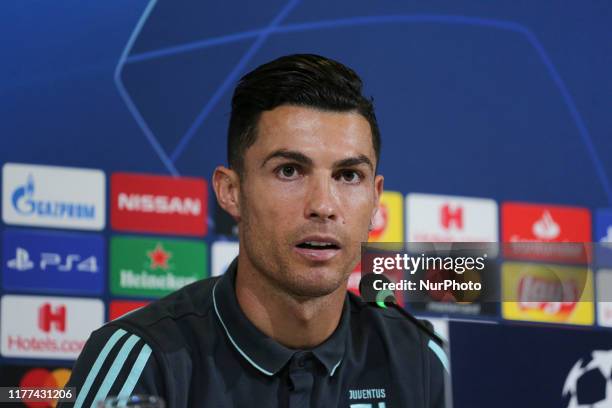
{"x": 547, "y": 293}
{"x": 565, "y": 295}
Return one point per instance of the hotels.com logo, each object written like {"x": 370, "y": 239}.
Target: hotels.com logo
{"x": 47, "y": 327}
{"x": 47, "y": 317}
{"x": 442, "y": 218}
{"x": 159, "y": 204}
{"x": 451, "y": 216}
{"x": 553, "y": 297}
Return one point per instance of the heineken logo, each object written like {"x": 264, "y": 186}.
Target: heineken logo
{"x": 159, "y": 257}
{"x": 147, "y": 267}
{"x": 143, "y": 280}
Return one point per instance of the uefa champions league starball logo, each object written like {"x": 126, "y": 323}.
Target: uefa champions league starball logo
{"x": 589, "y": 382}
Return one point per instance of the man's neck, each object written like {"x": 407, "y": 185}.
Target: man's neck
{"x": 293, "y": 322}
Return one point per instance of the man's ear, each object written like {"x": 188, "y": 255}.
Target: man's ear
{"x": 379, "y": 182}
{"x": 226, "y": 184}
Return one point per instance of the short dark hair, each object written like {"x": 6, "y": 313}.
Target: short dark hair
{"x": 301, "y": 80}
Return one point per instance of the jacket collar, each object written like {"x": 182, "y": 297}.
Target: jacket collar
{"x": 261, "y": 351}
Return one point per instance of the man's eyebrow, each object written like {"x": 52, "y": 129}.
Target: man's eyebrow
{"x": 307, "y": 161}
{"x": 354, "y": 161}
{"x": 289, "y": 154}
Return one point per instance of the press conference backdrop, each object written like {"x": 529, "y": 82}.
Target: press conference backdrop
{"x": 495, "y": 118}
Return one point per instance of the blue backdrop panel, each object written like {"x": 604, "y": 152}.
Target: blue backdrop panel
{"x": 522, "y": 366}
{"x": 503, "y": 100}
{"x": 497, "y": 100}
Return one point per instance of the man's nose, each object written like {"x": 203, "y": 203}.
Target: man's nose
{"x": 322, "y": 200}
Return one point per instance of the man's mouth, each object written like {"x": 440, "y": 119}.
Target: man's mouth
{"x": 318, "y": 245}
{"x": 318, "y": 248}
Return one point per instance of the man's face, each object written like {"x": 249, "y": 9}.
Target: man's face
{"x": 307, "y": 197}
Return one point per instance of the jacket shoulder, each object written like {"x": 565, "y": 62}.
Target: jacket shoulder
{"x": 163, "y": 323}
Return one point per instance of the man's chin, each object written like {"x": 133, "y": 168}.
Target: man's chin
{"x": 317, "y": 282}
{"x": 312, "y": 292}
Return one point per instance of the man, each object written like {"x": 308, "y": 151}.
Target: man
{"x": 279, "y": 329}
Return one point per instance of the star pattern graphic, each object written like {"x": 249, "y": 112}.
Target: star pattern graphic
{"x": 159, "y": 257}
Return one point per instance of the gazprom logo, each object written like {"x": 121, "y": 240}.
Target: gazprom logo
{"x": 25, "y": 203}
{"x": 53, "y": 196}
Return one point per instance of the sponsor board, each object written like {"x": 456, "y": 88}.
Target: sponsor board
{"x": 439, "y": 218}
{"x": 47, "y": 327}
{"x": 547, "y": 293}
{"x": 523, "y": 222}
{"x": 388, "y": 223}
{"x": 603, "y": 279}
{"x": 51, "y": 196}
{"x": 222, "y": 254}
{"x": 53, "y": 262}
{"x": 150, "y": 267}
{"x": 118, "y": 308}
{"x": 158, "y": 204}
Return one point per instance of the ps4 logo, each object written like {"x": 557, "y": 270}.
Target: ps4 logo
{"x": 24, "y": 203}
{"x": 22, "y": 262}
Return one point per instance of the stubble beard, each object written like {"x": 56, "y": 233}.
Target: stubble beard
{"x": 278, "y": 270}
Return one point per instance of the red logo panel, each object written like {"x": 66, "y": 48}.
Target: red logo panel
{"x": 48, "y": 317}
{"x": 546, "y": 232}
{"x": 545, "y": 223}
{"x": 450, "y": 217}
{"x": 159, "y": 204}
{"x": 120, "y": 307}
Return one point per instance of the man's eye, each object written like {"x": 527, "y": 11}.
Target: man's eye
{"x": 350, "y": 176}
{"x": 287, "y": 172}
